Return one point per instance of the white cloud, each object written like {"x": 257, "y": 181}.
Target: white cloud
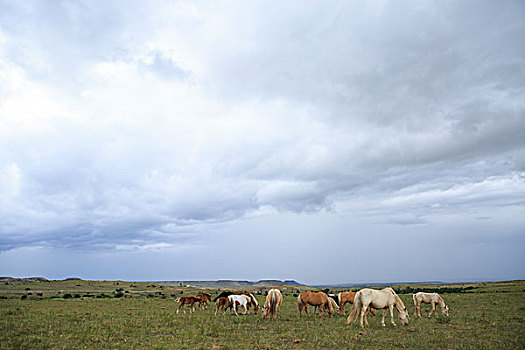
{"x": 122, "y": 129}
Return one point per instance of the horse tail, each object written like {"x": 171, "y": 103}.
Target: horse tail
{"x": 339, "y": 299}
{"x": 300, "y": 304}
{"x": 356, "y": 308}
{"x": 415, "y": 300}
{"x": 272, "y": 304}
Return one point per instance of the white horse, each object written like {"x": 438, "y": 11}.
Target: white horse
{"x": 239, "y": 300}
{"x": 252, "y": 301}
{"x": 429, "y": 298}
{"x": 273, "y": 300}
{"x": 378, "y": 299}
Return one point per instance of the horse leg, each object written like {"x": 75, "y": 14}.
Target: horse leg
{"x": 363, "y": 315}
{"x": 433, "y": 309}
{"x": 383, "y": 319}
{"x": 343, "y": 307}
{"x": 391, "y": 307}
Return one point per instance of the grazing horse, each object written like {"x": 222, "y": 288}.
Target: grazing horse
{"x": 314, "y": 299}
{"x": 204, "y": 298}
{"x": 223, "y": 295}
{"x": 187, "y": 300}
{"x": 273, "y": 300}
{"x": 238, "y": 300}
{"x": 221, "y": 303}
{"x": 348, "y": 297}
{"x": 378, "y": 299}
{"x": 429, "y": 298}
{"x": 334, "y": 305}
{"x": 252, "y": 301}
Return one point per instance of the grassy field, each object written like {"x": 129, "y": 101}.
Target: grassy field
{"x": 120, "y": 315}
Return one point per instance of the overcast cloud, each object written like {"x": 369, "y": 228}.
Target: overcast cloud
{"x": 256, "y": 139}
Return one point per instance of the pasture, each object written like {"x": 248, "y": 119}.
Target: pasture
{"x": 489, "y": 316}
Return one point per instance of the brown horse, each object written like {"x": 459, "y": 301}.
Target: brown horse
{"x": 348, "y": 297}
{"x": 222, "y": 304}
{"x": 315, "y": 299}
{"x": 204, "y": 298}
{"x": 187, "y": 300}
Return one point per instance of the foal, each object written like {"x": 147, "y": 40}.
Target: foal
{"x": 187, "y": 300}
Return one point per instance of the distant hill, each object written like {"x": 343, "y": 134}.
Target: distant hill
{"x": 232, "y": 284}
{"x": 376, "y": 284}
{"x": 27, "y": 280}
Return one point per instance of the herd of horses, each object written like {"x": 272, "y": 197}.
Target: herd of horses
{"x": 364, "y": 301}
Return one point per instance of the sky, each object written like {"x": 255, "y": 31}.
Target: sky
{"x": 325, "y": 142}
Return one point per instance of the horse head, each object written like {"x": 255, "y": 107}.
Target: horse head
{"x": 403, "y": 315}
{"x": 445, "y": 311}
{"x": 265, "y": 312}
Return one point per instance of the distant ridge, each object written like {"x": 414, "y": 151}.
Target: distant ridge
{"x": 377, "y": 284}
{"x": 232, "y": 283}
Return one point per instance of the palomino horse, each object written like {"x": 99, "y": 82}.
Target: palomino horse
{"x": 348, "y": 297}
{"x": 238, "y": 300}
{"x": 378, "y": 299}
{"x": 273, "y": 300}
{"x": 252, "y": 301}
{"x": 429, "y": 298}
{"x": 314, "y": 299}
{"x": 204, "y": 298}
{"x": 334, "y": 305}
{"x": 187, "y": 300}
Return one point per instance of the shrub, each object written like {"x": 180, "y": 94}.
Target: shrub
{"x": 67, "y": 296}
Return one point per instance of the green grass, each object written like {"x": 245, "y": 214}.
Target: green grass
{"x": 491, "y": 317}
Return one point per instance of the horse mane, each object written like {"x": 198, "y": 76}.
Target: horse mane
{"x": 441, "y": 301}
{"x": 399, "y": 302}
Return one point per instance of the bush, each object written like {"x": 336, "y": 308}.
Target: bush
{"x": 67, "y": 296}
{"x": 23, "y": 297}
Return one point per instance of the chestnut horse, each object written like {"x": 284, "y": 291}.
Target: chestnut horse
{"x": 379, "y": 299}
{"x": 429, "y": 298}
{"x": 314, "y": 299}
{"x": 348, "y": 297}
{"x": 273, "y": 300}
{"x": 187, "y": 300}
{"x": 204, "y": 298}
{"x": 221, "y": 303}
